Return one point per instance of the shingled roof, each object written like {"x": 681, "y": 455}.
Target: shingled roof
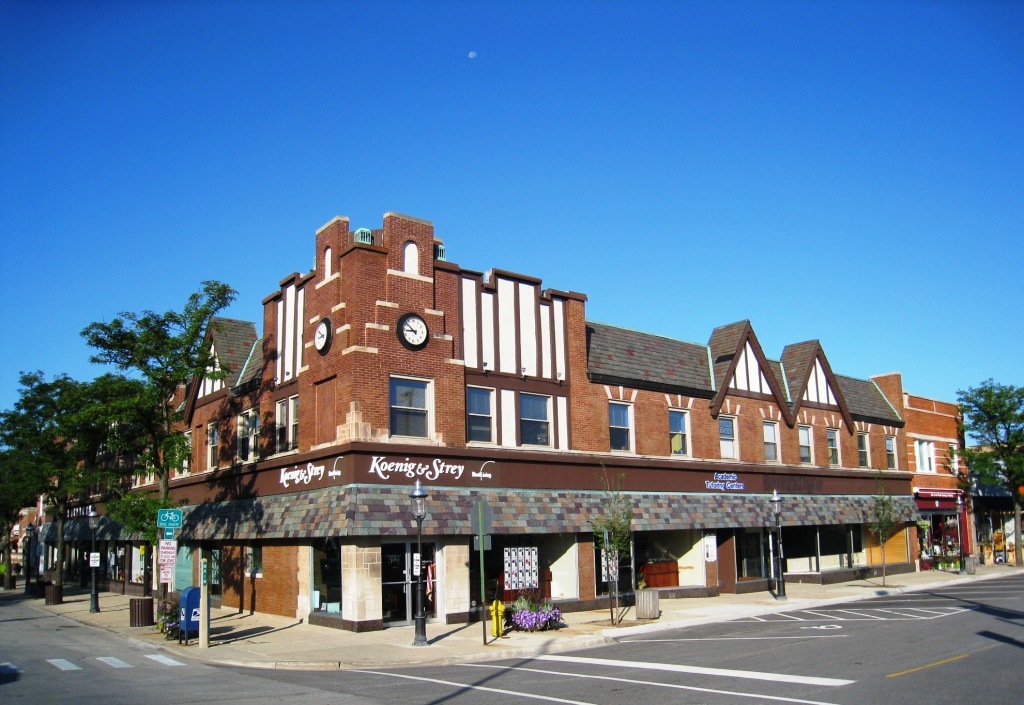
{"x": 866, "y": 401}
{"x": 628, "y": 357}
{"x": 724, "y": 345}
{"x": 233, "y": 341}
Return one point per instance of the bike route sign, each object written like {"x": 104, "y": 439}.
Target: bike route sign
{"x": 168, "y": 518}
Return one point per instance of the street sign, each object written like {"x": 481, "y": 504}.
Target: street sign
{"x": 480, "y": 518}
{"x": 167, "y": 573}
{"x": 487, "y": 542}
{"x": 168, "y": 518}
{"x": 168, "y": 533}
{"x": 94, "y": 560}
{"x": 168, "y": 552}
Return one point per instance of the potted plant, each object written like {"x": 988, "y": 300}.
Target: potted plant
{"x": 529, "y": 613}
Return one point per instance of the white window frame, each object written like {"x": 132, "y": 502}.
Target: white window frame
{"x": 186, "y": 461}
{"x": 809, "y": 445}
{"x": 863, "y": 454}
{"x": 628, "y": 428}
{"x": 728, "y": 446}
{"x": 891, "y": 460}
{"x": 212, "y": 446}
{"x": 546, "y": 420}
{"x": 490, "y": 416}
{"x": 953, "y": 459}
{"x": 286, "y": 425}
{"x": 924, "y": 453}
{"x": 835, "y": 448}
{"x": 685, "y": 433}
{"x": 248, "y": 435}
{"x": 427, "y": 409}
{"x": 772, "y": 443}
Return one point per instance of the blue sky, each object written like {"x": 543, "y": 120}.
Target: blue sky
{"x": 845, "y": 171}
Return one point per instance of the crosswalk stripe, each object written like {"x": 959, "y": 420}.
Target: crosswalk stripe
{"x": 114, "y": 662}
{"x": 165, "y": 660}
{"x": 63, "y": 664}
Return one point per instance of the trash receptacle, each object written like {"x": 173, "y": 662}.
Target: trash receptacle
{"x": 140, "y": 612}
{"x": 53, "y": 594}
{"x": 972, "y": 565}
{"x": 648, "y": 604}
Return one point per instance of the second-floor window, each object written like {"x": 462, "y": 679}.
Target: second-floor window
{"x": 212, "y": 446}
{"x": 806, "y": 455}
{"x": 890, "y": 452}
{"x": 248, "y": 436}
{"x": 619, "y": 426}
{"x": 771, "y": 441}
{"x": 727, "y": 436}
{"x": 287, "y": 422}
{"x": 863, "y": 456}
{"x": 534, "y": 426}
{"x": 832, "y": 436}
{"x": 410, "y": 407}
{"x": 677, "y": 432}
{"x": 186, "y": 459}
{"x": 479, "y": 415}
{"x": 924, "y": 452}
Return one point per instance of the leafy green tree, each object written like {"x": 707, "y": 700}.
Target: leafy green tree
{"x": 53, "y": 442}
{"x": 20, "y": 489}
{"x": 884, "y": 519}
{"x": 993, "y": 416}
{"x": 613, "y": 531}
{"x": 163, "y": 352}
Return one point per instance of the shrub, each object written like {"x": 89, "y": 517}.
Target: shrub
{"x": 532, "y": 613}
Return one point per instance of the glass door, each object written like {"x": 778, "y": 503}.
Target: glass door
{"x": 398, "y": 582}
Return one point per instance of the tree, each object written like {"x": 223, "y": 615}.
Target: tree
{"x": 613, "y": 532}
{"x": 51, "y": 440}
{"x": 884, "y": 520}
{"x": 21, "y": 489}
{"x": 993, "y": 416}
{"x": 163, "y": 352}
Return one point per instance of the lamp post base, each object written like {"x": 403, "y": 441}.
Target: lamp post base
{"x": 421, "y": 632}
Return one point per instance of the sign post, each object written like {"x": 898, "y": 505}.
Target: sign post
{"x": 204, "y": 604}
{"x": 480, "y": 523}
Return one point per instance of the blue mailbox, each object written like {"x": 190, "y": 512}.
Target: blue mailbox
{"x": 188, "y": 613}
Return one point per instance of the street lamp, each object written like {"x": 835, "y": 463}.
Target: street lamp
{"x": 30, "y": 531}
{"x": 419, "y": 510}
{"x": 780, "y": 579}
{"x": 960, "y": 533}
{"x": 94, "y": 596}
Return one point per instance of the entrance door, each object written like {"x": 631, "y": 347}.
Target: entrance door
{"x": 398, "y": 584}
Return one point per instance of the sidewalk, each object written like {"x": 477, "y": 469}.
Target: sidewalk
{"x": 268, "y": 641}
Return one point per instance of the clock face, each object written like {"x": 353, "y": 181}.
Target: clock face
{"x": 412, "y": 331}
{"x": 322, "y": 336}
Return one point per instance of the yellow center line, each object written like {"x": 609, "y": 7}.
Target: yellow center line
{"x": 930, "y": 665}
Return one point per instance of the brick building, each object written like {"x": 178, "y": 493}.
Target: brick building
{"x": 387, "y": 363}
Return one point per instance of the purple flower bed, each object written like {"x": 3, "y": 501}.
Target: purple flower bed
{"x": 536, "y": 620}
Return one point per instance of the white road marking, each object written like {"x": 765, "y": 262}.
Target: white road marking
{"x": 165, "y": 660}
{"x": 63, "y": 664}
{"x": 679, "y": 668}
{"x": 820, "y": 614}
{"x": 738, "y": 638}
{"x": 789, "y": 616}
{"x": 114, "y": 662}
{"x": 861, "y": 614}
{"x": 901, "y": 614}
{"x": 464, "y": 686}
{"x": 631, "y": 681}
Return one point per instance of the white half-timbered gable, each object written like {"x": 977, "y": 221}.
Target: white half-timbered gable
{"x": 748, "y": 376}
{"x": 818, "y": 389}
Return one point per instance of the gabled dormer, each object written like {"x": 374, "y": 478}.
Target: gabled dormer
{"x": 741, "y": 368}
{"x": 812, "y": 383}
{"x": 233, "y": 344}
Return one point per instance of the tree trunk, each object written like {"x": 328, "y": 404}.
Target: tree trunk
{"x": 883, "y": 564}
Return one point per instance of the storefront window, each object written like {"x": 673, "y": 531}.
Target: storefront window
{"x": 326, "y": 583}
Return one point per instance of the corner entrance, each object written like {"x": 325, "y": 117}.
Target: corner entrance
{"x": 398, "y": 582}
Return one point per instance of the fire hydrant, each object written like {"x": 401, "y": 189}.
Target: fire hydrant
{"x": 497, "y": 618}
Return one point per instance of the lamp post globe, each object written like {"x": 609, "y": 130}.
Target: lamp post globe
{"x": 94, "y": 596}
{"x": 780, "y": 578}
{"x": 419, "y": 511}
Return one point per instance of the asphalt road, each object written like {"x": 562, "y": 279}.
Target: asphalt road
{"x": 963, "y": 645}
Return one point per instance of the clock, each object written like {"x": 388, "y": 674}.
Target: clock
{"x": 323, "y": 335}
{"x": 413, "y": 332}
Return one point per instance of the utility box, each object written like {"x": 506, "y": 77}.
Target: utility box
{"x": 188, "y": 613}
